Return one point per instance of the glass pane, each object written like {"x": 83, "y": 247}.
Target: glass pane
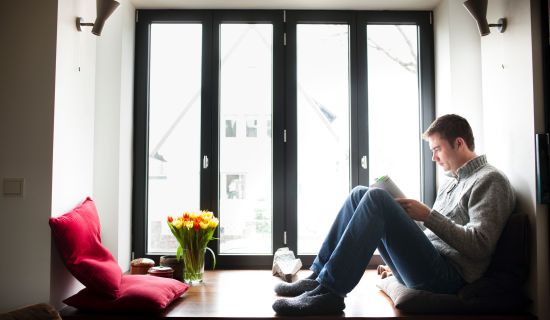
{"x": 394, "y": 109}
{"x": 323, "y": 129}
{"x": 174, "y": 129}
{"x": 245, "y": 176}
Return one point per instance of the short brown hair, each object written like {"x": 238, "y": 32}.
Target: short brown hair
{"x": 450, "y": 127}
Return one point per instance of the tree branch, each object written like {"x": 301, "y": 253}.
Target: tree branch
{"x": 408, "y": 65}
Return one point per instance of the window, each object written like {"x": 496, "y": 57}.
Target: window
{"x": 272, "y": 136}
{"x": 230, "y": 128}
{"x": 323, "y": 128}
{"x": 174, "y": 127}
{"x": 392, "y": 60}
{"x": 251, "y": 128}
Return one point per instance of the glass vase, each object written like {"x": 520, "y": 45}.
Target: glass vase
{"x": 193, "y": 265}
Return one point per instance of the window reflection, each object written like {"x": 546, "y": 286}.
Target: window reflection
{"x": 246, "y": 155}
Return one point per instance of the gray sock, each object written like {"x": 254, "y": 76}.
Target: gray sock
{"x": 296, "y": 288}
{"x": 308, "y": 304}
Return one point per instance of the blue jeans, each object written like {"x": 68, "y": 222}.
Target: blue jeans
{"x": 370, "y": 218}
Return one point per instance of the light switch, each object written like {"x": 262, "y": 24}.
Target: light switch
{"x": 13, "y": 187}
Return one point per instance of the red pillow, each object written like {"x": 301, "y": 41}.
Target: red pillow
{"x": 77, "y": 237}
{"x": 138, "y": 293}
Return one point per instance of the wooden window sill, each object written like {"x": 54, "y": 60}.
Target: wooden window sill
{"x": 249, "y": 294}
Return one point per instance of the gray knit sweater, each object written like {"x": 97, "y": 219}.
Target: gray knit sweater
{"x": 468, "y": 216}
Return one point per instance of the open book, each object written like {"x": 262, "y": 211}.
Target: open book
{"x": 386, "y": 183}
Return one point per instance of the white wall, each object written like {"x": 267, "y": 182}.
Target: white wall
{"x": 93, "y": 128}
{"x": 506, "y": 67}
{"x": 458, "y": 66}
{"x": 125, "y": 175}
{"x": 113, "y": 131}
{"x": 73, "y": 146}
{"x": 511, "y": 75}
{"x": 27, "y": 80}
{"x": 48, "y": 100}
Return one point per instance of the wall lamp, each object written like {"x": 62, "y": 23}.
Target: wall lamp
{"x": 104, "y": 9}
{"x": 478, "y": 10}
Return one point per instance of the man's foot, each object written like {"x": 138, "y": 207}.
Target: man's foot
{"x": 316, "y": 302}
{"x": 296, "y": 288}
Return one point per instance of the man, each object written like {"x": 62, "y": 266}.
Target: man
{"x": 452, "y": 246}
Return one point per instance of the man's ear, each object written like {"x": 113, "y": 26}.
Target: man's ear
{"x": 459, "y": 142}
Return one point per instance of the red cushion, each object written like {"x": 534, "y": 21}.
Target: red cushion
{"x": 77, "y": 237}
{"x": 138, "y": 293}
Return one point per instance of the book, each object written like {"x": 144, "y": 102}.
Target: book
{"x": 386, "y": 183}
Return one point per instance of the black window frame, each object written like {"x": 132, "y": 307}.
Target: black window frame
{"x": 426, "y": 81}
{"x": 312, "y": 17}
{"x": 252, "y": 16}
{"x": 283, "y": 116}
{"x": 141, "y": 114}
{"x": 358, "y": 20}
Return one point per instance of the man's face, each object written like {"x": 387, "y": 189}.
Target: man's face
{"x": 443, "y": 153}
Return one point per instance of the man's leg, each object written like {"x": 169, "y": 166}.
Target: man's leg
{"x": 388, "y": 261}
{"x": 338, "y": 227}
{"x": 347, "y": 262}
{"x": 416, "y": 263}
{"x": 331, "y": 240}
{"x": 350, "y": 257}
{"x": 379, "y": 219}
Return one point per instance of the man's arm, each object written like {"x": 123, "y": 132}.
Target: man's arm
{"x": 489, "y": 204}
{"x": 415, "y": 209}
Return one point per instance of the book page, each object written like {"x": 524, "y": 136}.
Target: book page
{"x": 386, "y": 183}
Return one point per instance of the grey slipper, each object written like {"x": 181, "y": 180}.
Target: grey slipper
{"x": 296, "y": 288}
{"x": 308, "y": 304}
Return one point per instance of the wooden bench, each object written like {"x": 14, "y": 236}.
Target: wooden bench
{"x": 249, "y": 294}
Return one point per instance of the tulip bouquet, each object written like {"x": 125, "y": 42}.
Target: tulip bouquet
{"x": 193, "y": 230}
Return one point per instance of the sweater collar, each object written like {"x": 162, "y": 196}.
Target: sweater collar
{"x": 471, "y": 166}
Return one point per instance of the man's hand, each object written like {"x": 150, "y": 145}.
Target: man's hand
{"x": 415, "y": 209}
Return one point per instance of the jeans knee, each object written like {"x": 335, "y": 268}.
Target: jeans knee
{"x": 378, "y": 194}
{"x": 358, "y": 192}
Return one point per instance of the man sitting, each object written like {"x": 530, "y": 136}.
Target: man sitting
{"x": 453, "y": 245}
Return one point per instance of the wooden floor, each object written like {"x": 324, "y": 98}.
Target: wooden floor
{"x": 249, "y": 294}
